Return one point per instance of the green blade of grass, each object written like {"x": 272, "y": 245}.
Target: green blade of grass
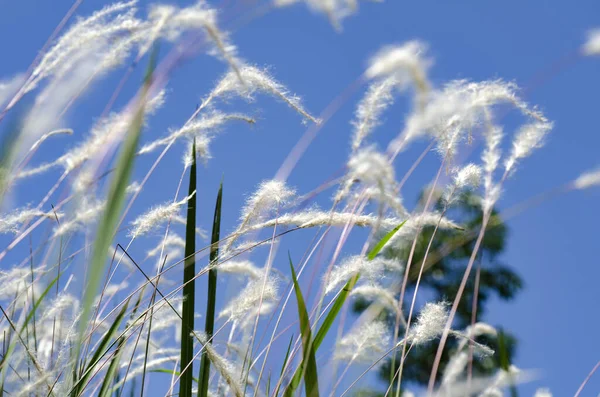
{"x": 103, "y": 347}
{"x": 112, "y": 374}
{"x": 11, "y": 346}
{"x": 308, "y": 366}
{"x": 285, "y": 360}
{"x": 189, "y": 287}
{"x": 212, "y": 294}
{"x": 114, "y": 203}
{"x": 170, "y": 372}
{"x": 339, "y": 303}
{"x": 112, "y": 370}
{"x": 379, "y": 246}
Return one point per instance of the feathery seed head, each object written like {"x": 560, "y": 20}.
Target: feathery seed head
{"x": 377, "y": 99}
{"x": 406, "y": 62}
{"x": 592, "y": 44}
{"x": 530, "y": 137}
{"x": 245, "y": 306}
{"x": 430, "y": 323}
{"x": 155, "y": 217}
{"x": 364, "y": 343}
{"x": 543, "y": 392}
{"x": 251, "y": 81}
{"x": 587, "y": 179}
{"x": 269, "y": 196}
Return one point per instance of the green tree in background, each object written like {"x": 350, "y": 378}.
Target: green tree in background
{"x": 443, "y": 272}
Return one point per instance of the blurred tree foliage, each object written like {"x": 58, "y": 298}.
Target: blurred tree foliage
{"x": 443, "y": 272}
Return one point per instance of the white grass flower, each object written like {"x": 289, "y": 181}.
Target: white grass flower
{"x": 95, "y": 34}
{"x": 241, "y": 267}
{"x": 468, "y": 177}
{"x": 269, "y": 196}
{"x": 156, "y": 216}
{"x": 465, "y": 178}
{"x": 368, "y": 113}
{"x": 84, "y": 215}
{"x": 455, "y": 367}
{"x": 376, "y": 293}
{"x": 543, "y": 392}
{"x": 587, "y": 179}
{"x": 364, "y": 343}
{"x": 10, "y": 223}
{"x": 406, "y": 62}
{"x": 18, "y": 286}
{"x": 530, "y": 137}
{"x": 225, "y": 368}
{"x": 372, "y": 270}
{"x": 592, "y": 44}
{"x": 204, "y": 127}
{"x": 491, "y": 154}
{"x": 245, "y": 305}
{"x": 335, "y": 10}
{"x": 172, "y": 241}
{"x": 374, "y": 170}
{"x": 9, "y": 87}
{"x": 255, "y": 80}
{"x": 107, "y": 130}
{"x": 430, "y": 324}
{"x": 371, "y": 167}
{"x": 170, "y": 22}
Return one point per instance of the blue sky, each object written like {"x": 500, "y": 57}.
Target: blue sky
{"x": 534, "y": 43}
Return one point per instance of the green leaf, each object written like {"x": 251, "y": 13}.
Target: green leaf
{"x": 212, "y": 294}
{"x": 103, "y": 347}
{"x": 308, "y": 366}
{"x": 285, "y": 360}
{"x": 112, "y": 370}
{"x": 189, "y": 287}
{"x": 379, "y": 246}
{"x": 114, "y": 203}
{"x": 339, "y": 303}
{"x": 11, "y": 346}
{"x": 170, "y": 372}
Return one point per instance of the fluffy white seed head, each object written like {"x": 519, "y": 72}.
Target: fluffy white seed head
{"x": 203, "y": 129}
{"x": 87, "y": 213}
{"x": 10, "y": 223}
{"x": 457, "y": 364}
{"x": 378, "y": 98}
{"x": 430, "y": 323}
{"x": 252, "y": 81}
{"x": 270, "y": 196}
{"x": 364, "y": 343}
{"x": 335, "y": 10}
{"x": 245, "y": 306}
{"x": 9, "y": 87}
{"x": 242, "y": 268}
{"x": 155, "y": 217}
{"x": 378, "y": 294}
{"x": 465, "y": 178}
{"x": 407, "y": 63}
{"x": 173, "y": 241}
{"x": 529, "y": 137}
{"x": 372, "y": 169}
{"x": 592, "y": 44}
{"x": 468, "y": 177}
{"x": 587, "y": 179}
{"x": 225, "y": 368}
{"x": 543, "y": 392}
{"x": 358, "y": 264}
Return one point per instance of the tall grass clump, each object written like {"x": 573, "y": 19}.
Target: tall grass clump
{"x": 107, "y": 290}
